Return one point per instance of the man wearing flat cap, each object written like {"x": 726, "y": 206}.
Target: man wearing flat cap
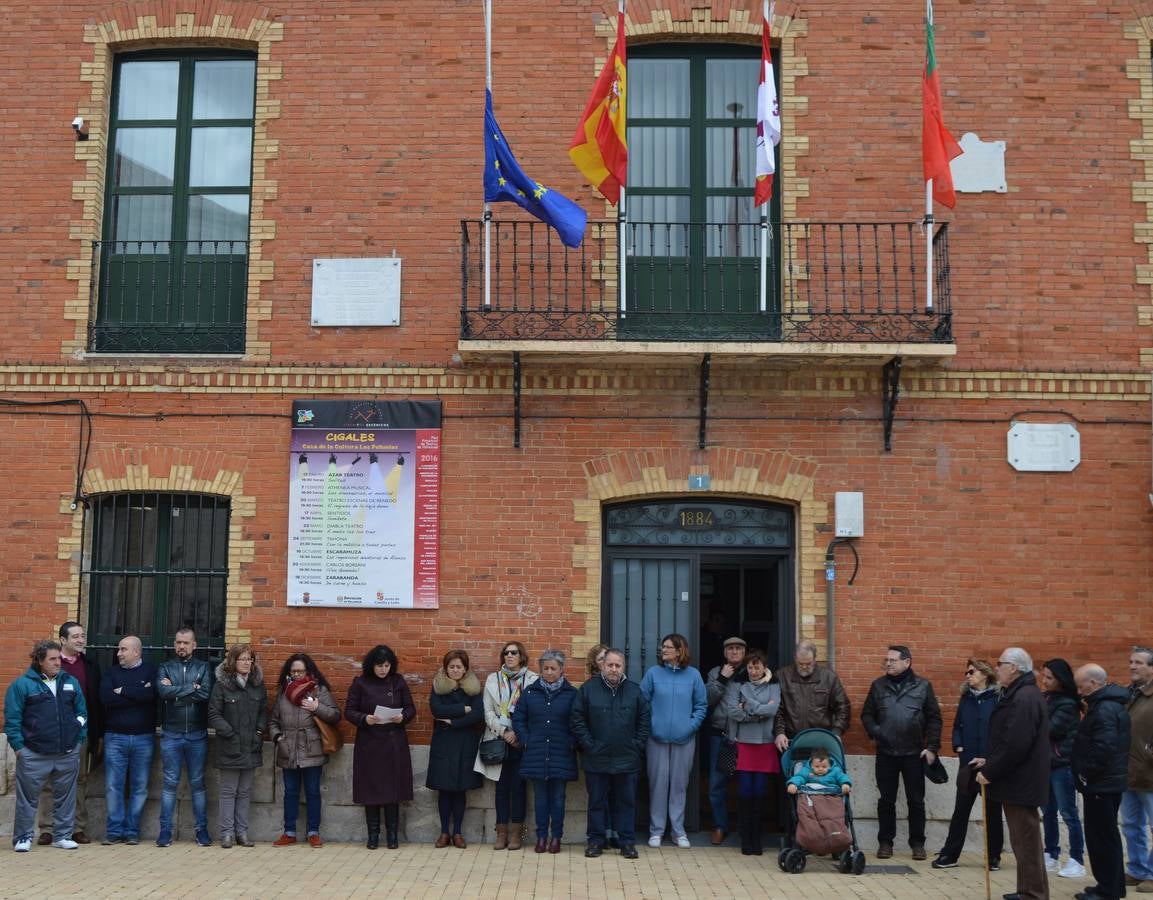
{"x": 718, "y": 679}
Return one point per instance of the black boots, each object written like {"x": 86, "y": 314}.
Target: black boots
{"x": 391, "y": 822}
{"x": 749, "y": 811}
{"x": 372, "y": 819}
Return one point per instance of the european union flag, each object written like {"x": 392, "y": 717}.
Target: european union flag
{"x": 505, "y": 180}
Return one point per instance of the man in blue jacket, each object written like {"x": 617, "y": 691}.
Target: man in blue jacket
{"x": 184, "y": 685}
{"x": 128, "y": 692}
{"x": 45, "y": 719}
{"x": 611, "y": 721}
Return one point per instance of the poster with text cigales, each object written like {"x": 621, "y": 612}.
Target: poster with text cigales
{"x": 364, "y": 504}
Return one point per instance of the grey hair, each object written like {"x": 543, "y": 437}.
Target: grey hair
{"x": 1021, "y": 660}
{"x": 1144, "y": 651}
{"x": 806, "y": 646}
{"x": 552, "y": 655}
{"x": 616, "y": 651}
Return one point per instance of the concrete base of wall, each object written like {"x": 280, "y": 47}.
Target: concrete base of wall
{"x": 344, "y": 821}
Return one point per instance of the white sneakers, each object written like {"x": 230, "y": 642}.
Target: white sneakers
{"x": 655, "y": 842}
{"x": 23, "y": 846}
{"x": 65, "y": 844}
{"x": 1072, "y": 869}
{"x": 683, "y": 842}
{"x": 1052, "y": 863}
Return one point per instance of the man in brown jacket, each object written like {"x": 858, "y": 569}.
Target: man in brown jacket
{"x": 812, "y": 696}
{"x": 1137, "y": 801}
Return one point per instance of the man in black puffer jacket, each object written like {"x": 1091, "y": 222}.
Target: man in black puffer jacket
{"x": 1101, "y": 770}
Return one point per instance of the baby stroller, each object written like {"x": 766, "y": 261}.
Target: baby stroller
{"x": 826, "y": 809}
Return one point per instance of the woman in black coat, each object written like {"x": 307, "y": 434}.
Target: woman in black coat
{"x": 541, "y": 723}
{"x": 458, "y": 713}
{"x": 381, "y": 763}
{"x": 238, "y": 712}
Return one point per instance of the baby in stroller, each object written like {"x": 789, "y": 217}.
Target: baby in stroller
{"x": 820, "y": 774}
{"x": 821, "y": 820}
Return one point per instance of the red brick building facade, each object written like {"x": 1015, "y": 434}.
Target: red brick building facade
{"x": 366, "y": 142}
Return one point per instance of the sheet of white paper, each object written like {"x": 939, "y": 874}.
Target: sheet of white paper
{"x": 387, "y": 713}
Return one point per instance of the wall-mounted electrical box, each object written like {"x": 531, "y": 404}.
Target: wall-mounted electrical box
{"x": 850, "y": 512}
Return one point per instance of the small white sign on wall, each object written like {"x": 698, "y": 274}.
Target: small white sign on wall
{"x": 1036, "y": 447}
{"x": 355, "y": 292}
{"x": 981, "y": 167}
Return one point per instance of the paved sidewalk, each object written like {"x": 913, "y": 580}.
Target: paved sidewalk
{"x": 418, "y": 870}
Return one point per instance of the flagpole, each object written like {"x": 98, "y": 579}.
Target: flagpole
{"x": 928, "y": 204}
{"x": 622, "y": 217}
{"x": 487, "y": 207}
{"x": 766, "y": 10}
{"x": 929, "y": 246}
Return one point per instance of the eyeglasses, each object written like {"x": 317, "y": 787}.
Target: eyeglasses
{"x": 1004, "y": 662}
{"x": 244, "y": 659}
{"x": 892, "y": 661}
{"x": 970, "y": 671}
{"x": 512, "y": 652}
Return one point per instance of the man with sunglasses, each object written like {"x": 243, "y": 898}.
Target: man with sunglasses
{"x": 1137, "y": 801}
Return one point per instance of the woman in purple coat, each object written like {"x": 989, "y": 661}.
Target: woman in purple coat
{"x": 381, "y": 764}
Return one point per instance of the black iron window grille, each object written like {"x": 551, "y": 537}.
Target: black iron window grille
{"x": 155, "y": 562}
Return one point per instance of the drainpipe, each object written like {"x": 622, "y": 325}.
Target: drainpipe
{"x": 830, "y": 593}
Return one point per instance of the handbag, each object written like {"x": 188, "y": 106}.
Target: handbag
{"x": 331, "y": 739}
{"x": 727, "y": 757}
{"x": 493, "y": 752}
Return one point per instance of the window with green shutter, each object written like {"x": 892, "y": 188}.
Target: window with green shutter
{"x": 693, "y": 241}
{"x": 172, "y": 268}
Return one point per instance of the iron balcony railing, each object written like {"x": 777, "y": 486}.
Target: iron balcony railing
{"x": 168, "y": 296}
{"x": 859, "y": 282}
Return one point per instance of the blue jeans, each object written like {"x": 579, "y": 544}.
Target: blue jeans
{"x": 1063, "y": 800}
{"x": 1136, "y": 824}
{"x": 511, "y": 801}
{"x": 623, "y": 789}
{"x": 127, "y": 759}
{"x": 718, "y": 784}
{"x": 548, "y": 799}
{"x": 190, "y": 750}
{"x": 292, "y": 782}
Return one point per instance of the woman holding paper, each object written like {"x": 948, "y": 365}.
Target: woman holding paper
{"x": 380, "y": 705}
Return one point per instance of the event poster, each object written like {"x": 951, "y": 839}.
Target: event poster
{"x": 364, "y": 504}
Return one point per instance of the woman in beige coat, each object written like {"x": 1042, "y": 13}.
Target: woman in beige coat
{"x": 303, "y": 696}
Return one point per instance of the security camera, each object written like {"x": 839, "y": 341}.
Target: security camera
{"x": 81, "y": 128}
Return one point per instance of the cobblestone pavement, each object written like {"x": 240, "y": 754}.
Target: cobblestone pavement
{"x": 347, "y": 870}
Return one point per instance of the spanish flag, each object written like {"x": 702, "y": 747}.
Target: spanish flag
{"x": 600, "y": 147}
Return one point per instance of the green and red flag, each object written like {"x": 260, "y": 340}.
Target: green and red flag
{"x": 937, "y": 146}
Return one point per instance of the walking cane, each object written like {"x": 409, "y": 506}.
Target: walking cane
{"x": 985, "y": 826}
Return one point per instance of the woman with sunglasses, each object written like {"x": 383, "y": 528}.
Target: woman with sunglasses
{"x": 502, "y": 692}
{"x": 979, "y": 695}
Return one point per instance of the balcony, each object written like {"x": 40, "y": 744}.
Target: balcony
{"x": 168, "y": 296}
{"x": 829, "y": 290}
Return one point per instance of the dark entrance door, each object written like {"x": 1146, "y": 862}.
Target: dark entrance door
{"x": 707, "y": 570}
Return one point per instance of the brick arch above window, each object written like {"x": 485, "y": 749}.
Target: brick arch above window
{"x": 735, "y": 473}
{"x": 165, "y": 470}
{"x": 124, "y": 28}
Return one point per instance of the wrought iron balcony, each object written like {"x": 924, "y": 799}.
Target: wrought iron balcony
{"x": 168, "y": 296}
{"x": 824, "y": 282}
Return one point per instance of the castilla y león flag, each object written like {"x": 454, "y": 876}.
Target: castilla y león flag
{"x": 768, "y": 117}
{"x": 600, "y": 147}
{"x": 937, "y": 146}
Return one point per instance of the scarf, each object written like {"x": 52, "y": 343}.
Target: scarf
{"x": 297, "y": 690}
{"x": 241, "y": 680}
{"x": 509, "y": 684}
{"x": 554, "y": 687}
